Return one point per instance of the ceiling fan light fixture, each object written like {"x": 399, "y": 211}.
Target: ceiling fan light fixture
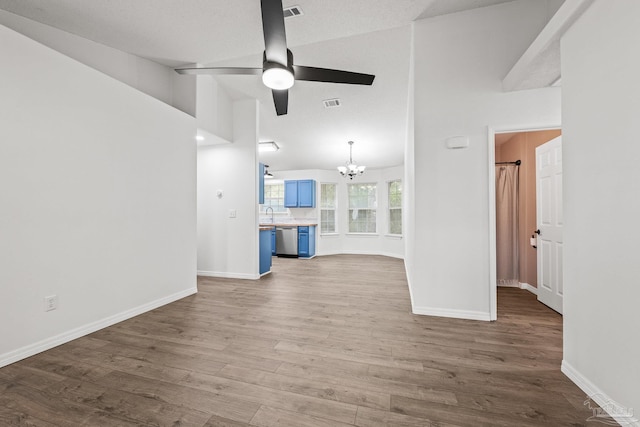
{"x": 276, "y": 76}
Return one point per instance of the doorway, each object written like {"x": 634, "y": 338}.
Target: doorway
{"x": 508, "y": 146}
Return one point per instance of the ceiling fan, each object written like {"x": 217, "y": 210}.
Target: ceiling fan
{"x": 278, "y": 71}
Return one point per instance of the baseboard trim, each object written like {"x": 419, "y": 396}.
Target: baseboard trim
{"x": 508, "y": 285}
{"x": 520, "y": 285}
{"x": 453, "y": 313}
{"x": 387, "y": 254}
{"x": 228, "y": 275}
{"x": 49, "y": 343}
{"x": 614, "y": 411}
{"x": 529, "y": 288}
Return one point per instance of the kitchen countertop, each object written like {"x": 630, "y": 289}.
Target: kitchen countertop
{"x": 267, "y": 226}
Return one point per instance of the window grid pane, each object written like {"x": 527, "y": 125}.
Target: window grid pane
{"x": 327, "y": 221}
{"x": 328, "y": 208}
{"x": 395, "y": 207}
{"x": 274, "y": 197}
{"x": 362, "y": 208}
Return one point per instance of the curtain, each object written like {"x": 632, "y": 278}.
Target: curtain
{"x": 507, "y": 253}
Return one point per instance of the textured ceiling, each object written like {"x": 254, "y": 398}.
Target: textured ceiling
{"x": 370, "y": 36}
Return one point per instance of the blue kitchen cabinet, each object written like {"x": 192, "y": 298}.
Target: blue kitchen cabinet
{"x": 291, "y": 194}
{"x": 261, "y": 184}
{"x": 300, "y": 194}
{"x": 307, "y": 193}
{"x": 306, "y": 241}
{"x": 273, "y": 241}
{"x": 265, "y": 251}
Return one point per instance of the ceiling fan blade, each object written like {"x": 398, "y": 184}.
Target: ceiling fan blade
{"x": 281, "y": 101}
{"x": 220, "y": 70}
{"x": 315, "y": 74}
{"x": 275, "y": 38}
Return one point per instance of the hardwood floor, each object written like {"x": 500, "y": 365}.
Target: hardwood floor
{"x": 324, "y": 342}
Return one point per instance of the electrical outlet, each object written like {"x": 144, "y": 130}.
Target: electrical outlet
{"x": 50, "y": 302}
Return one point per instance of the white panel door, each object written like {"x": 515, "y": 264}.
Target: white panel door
{"x": 550, "y": 222}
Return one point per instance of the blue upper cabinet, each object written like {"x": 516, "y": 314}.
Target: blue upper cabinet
{"x": 291, "y": 194}
{"x": 261, "y": 184}
{"x": 300, "y": 194}
{"x": 307, "y": 193}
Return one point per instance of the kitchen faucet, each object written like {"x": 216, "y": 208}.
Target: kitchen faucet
{"x": 266, "y": 211}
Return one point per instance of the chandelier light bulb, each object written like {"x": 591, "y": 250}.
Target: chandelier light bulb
{"x": 351, "y": 169}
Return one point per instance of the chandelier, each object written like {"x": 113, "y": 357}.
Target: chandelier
{"x": 351, "y": 169}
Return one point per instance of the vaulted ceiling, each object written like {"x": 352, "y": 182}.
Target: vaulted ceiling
{"x": 371, "y": 36}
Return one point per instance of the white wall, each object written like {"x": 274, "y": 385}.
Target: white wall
{"x": 601, "y": 154}
{"x": 341, "y": 242}
{"x": 408, "y": 187}
{"x": 214, "y": 111}
{"x": 97, "y": 193}
{"x": 157, "y": 80}
{"x": 460, "y": 60}
{"x": 228, "y": 247}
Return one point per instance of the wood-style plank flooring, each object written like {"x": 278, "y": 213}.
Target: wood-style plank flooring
{"x": 324, "y": 342}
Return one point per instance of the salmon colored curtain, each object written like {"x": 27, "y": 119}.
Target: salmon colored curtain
{"x": 508, "y": 260}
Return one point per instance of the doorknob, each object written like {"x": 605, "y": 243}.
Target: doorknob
{"x": 537, "y": 231}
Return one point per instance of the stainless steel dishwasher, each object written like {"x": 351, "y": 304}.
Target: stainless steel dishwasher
{"x": 287, "y": 241}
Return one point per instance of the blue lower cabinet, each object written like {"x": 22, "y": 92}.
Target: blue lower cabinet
{"x": 265, "y": 251}
{"x": 306, "y": 241}
{"x": 273, "y": 241}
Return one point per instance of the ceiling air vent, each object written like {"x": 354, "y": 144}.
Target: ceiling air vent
{"x": 292, "y": 11}
{"x": 331, "y": 103}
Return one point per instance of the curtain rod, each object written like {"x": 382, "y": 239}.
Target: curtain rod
{"x": 517, "y": 163}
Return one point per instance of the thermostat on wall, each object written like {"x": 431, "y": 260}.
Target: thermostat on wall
{"x": 458, "y": 142}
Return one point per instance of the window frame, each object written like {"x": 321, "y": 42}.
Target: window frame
{"x": 282, "y": 210}
{"x": 397, "y": 208}
{"x": 373, "y": 209}
{"x": 334, "y": 209}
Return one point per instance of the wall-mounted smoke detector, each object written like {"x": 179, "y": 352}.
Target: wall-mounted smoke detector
{"x": 290, "y": 12}
{"x": 332, "y": 103}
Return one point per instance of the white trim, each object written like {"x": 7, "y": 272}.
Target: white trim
{"x": 406, "y": 273}
{"x": 265, "y": 273}
{"x": 520, "y": 285}
{"x": 362, "y": 234}
{"x": 228, "y": 275}
{"x": 394, "y": 236}
{"x": 594, "y": 393}
{"x": 387, "y": 254}
{"x": 449, "y": 312}
{"x": 49, "y": 343}
{"x": 529, "y": 288}
{"x": 491, "y": 155}
{"x": 329, "y": 234}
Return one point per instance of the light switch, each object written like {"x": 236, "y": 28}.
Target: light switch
{"x": 232, "y": 213}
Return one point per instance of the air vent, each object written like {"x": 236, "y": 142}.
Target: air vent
{"x": 292, "y": 11}
{"x": 331, "y": 103}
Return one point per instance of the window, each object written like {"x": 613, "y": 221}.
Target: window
{"x": 395, "y": 207}
{"x": 327, "y": 208}
{"x": 274, "y": 197}
{"x": 362, "y": 208}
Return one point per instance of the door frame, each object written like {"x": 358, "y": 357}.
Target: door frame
{"x": 491, "y": 150}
